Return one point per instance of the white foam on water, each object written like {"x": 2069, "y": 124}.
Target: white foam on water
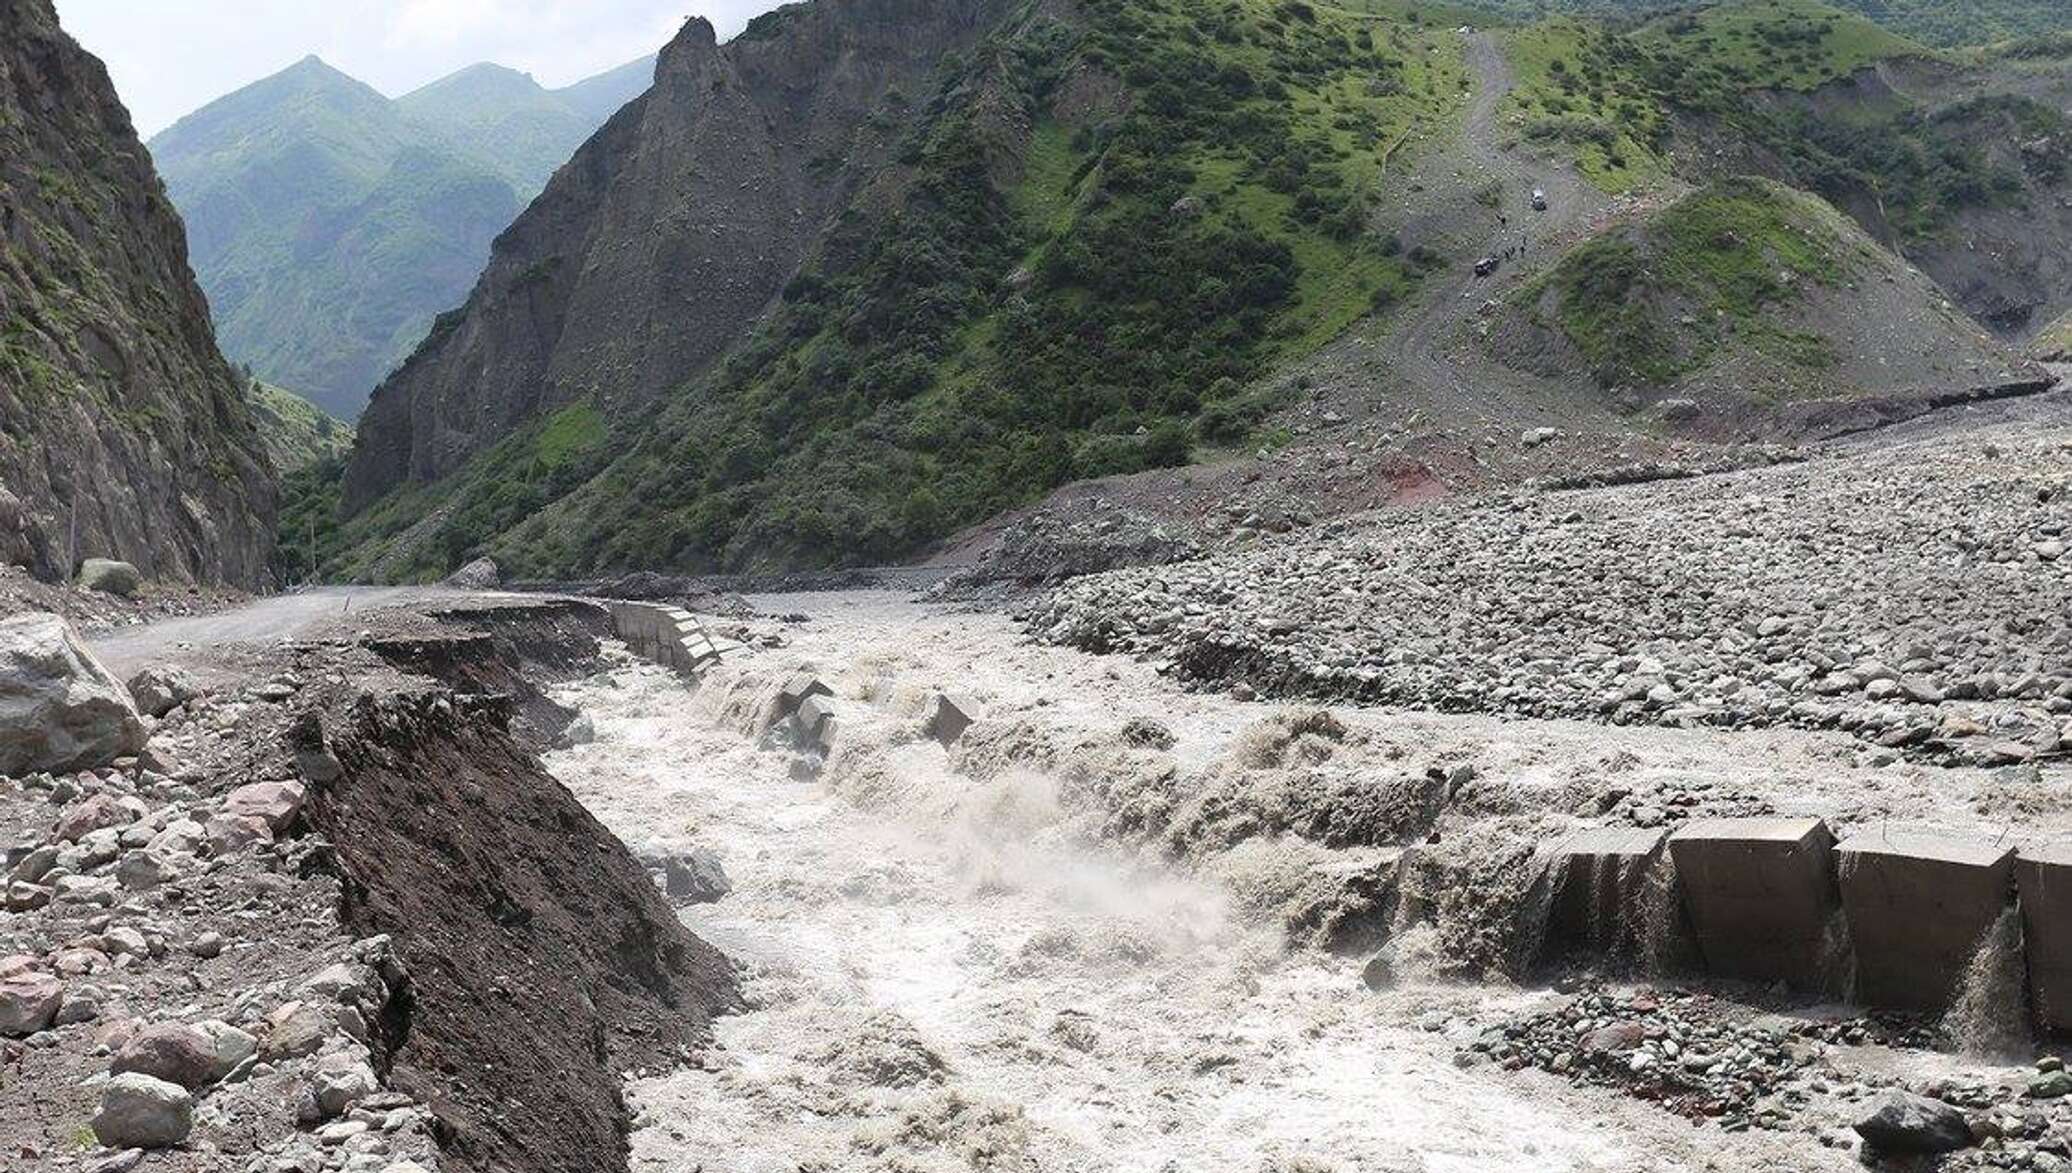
{"x": 946, "y": 978}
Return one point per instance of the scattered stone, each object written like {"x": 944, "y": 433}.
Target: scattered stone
{"x": 695, "y": 876}
{"x": 141, "y": 871}
{"x": 949, "y": 716}
{"x": 1907, "y": 1123}
{"x": 171, "y": 1051}
{"x": 110, "y": 577}
{"x": 276, "y": 804}
{"x": 294, "y": 1030}
{"x": 158, "y": 691}
{"x": 94, "y": 813}
{"x": 138, "y": 1111}
{"x": 342, "y": 1079}
{"x": 60, "y": 709}
{"x": 482, "y": 574}
{"x": 28, "y": 1003}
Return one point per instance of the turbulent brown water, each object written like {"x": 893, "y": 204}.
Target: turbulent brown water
{"x": 948, "y": 975}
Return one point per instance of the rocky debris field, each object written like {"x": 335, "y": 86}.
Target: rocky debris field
{"x": 312, "y": 904}
{"x": 1917, "y": 595}
{"x": 97, "y": 610}
{"x": 176, "y": 990}
{"x": 1713, "y": 1058}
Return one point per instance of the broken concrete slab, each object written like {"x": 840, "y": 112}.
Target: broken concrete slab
{"x": 1917, "y": 903}
{"x": 949, "y": 715}
{"x": 794, "y": 691}
{"x": 818, "y": 718}
{"x": 2043, "y": 880}
{"x": 1600, "y": 880}
{"x": 1761, "y": 895}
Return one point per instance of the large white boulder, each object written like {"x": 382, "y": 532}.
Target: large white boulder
{"x": 139, "y": 1111}
{"x": 60, "y": 708}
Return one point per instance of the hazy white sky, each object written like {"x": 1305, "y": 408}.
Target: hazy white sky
{"x": 170, "y": 57}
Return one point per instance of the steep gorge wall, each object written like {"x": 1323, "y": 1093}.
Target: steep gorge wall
{"x": 669, "y": 232}
{"x": 123, "y": 432}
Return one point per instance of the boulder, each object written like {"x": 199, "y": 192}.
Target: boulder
{"x": 95, "y": 812}
{"x": 695, "y": 877}
{"x": 294, "y": 1030}
{"x": 230, "y": 834}
{"x": 140, "y": 1112}
{"x": 28, "y": 1003}
{"x": 483, "y": 574}
{"x": 109, "y": 577}
{"x": 141, "y": 871}
{"x": 277, "y": 804}
{"x": 340, "y": 1080}
{"x": 60, "y": 709}
{"x": 1907, "y": 1123}
{"x": 232, "y": 1047}
{"x": 158, "y": 691}
{"x": 171, "y": 1051}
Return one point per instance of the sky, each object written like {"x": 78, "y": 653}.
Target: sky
{"x": 171, "y": 57}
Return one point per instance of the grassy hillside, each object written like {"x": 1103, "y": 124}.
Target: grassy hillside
{"x": 328, "y": 224}
{"x": 1090, "y": 295}
{"x": 1608, "y": 96}
{"x": 1726, "y": 265}
{"x": 1942, "y": 23}
{"x": 295, "y": 431}
{"x": 1743, "y": 298}
{"x": 2054, "y": 344}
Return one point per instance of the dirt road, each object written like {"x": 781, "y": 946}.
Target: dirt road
{"x": 264, "y": 620}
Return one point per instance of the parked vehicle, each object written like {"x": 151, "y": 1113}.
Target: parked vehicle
{"x": 1485, "y": 266}
{"x": 1539, "y": 200}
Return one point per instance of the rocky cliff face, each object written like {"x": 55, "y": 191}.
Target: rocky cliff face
{"x": 123, "y": 432}
{"x": 668, "y": 233}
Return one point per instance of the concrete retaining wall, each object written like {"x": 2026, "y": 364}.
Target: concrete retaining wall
{"x": 2043, "y": 884}
{"x": 1917, "y": 905}
{"x": 1601, "y": 880}
{"x": 1777, "y": 899}
{"x": 1760, "y": 893}
{"x": 669, "y": 636}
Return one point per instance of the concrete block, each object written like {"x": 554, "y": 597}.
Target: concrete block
{"x": 818, "y": 717}
{"x": 949, "y": 715}
{"x": 1601, "y": 881}
{"x": 2043, "y": 879}
{"x": 795, "y": 690}
{"x": 1917, "y": 904}
{"x": 1761, "y": 894}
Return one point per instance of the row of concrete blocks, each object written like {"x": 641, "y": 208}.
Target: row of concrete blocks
{"x": 810, "y": 704}
{"x": 669, "y": 636}
{"x": 1763, "y": 895}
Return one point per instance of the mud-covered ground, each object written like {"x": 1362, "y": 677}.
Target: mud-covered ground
{"x": 1122, "y": 926}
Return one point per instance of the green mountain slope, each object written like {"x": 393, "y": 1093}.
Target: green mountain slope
{"x": 1067, "y": 287}
{"x": 1943, "y": 23}
{"x": 328, "y": 224}
{"x": 295, "y": 431}
{"x": 1746, "y": 289}
{"x": 1105, "y": 242}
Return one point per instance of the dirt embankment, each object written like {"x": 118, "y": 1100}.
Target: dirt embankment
{"x": 543, "y": 962}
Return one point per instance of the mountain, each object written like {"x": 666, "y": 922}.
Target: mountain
{"x": 1943, "y": 23}
{"x": 123, "y": 432}
{"x": 296, "y": 433}
{"x": 330, "y": 223}
{"x": 505, "y": 119}
{"x": 1750, "y": 292}
{"x": 878, "y": 270}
